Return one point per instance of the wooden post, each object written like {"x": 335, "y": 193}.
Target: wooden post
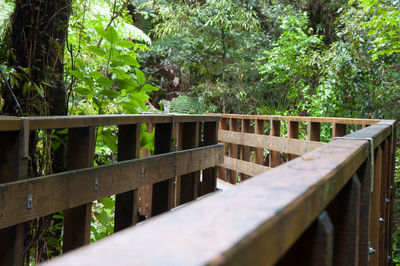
{"x": 293, "y": 129}
{"x": 391, "y": 188}
{"x": 222, "y": 170}
{"x": 233, "y": 150}
{"x": 80, "y": 154}
{"x": 125, "y": 203}
{"x": 275, "y": 156}
{"x": 384, "y": 218}
{"x": 364, "y": 174}
{"x": 314, "y": 131}
{"x": 338, "y": 130}
{"x": 344, "y": 212}
{"x": 145, "y": 193}
{"x": 162, "y": 199}
{"x": 13, "y": 166}
{"x": 189, "y": 184}
{"x": 245, "y": 152}
{"x": 315, "y": 246}
{"x": 259, "y": 152}
{"x": 209, "y": 182}
{"x": 375, "y": 207}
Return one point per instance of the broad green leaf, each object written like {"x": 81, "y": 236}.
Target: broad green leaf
{"x": 83, "y": 91}
{"x": 104, "y": 81}
{"x": 124, "y": 60}
{"x": 140, "y": 77}
{"x": 98, "y": 51}
{"x": 120, "y": 74}
{"x": 127, "y": 84}
{"x": 112, "y": 94}
{"x": 110, "y": 34}
{"x": 148, "y": 88}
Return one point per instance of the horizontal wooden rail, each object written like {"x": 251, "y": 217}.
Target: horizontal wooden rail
{"x": 25, "y": 200}
{"x": 56, "y": 122}
{"x": 258, "y": 221}
{"x": 244, "y": 167}
{"x": 293, "y": 146}
{"x": 354, "y": 121}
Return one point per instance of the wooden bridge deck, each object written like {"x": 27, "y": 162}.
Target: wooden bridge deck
{"x": 326, "y": 203}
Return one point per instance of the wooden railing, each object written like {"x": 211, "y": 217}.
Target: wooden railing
{"x": 256, "y": 143}
{"x": 329, "y": 204}
{"x": 185, "y": 148}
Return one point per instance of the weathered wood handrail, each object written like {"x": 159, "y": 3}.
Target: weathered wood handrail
{"x": 332, "y": 206}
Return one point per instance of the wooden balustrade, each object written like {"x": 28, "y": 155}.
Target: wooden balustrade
{"x": 22, "y": 200}
{"x": 328, "y": 207}
{"x": 330, "y": 204}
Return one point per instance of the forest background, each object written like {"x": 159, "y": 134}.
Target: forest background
{"x": 310, "y": 57}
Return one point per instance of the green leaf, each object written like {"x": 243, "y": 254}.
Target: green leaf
{"x": 110, "y": 35}
{"x": 149, "y": 88}
{"x": 127, "y": 84}
{"x": 98, "y": 51}
{"x": 109, "y": 139}
{"x": 112, "y": 94}
{"x": 126, "y": 44}
{"x": 104, "y": 81}
{"x": 120, "y": 74}
{"x": 140, "y": 77}
{"x": 83, "y": 91}
{"x": 124, "y": 60}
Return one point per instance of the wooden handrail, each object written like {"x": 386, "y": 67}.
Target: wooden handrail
{"x": 258, "y": 221}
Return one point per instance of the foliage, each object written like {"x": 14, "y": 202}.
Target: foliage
{"x": 292, "y": 63}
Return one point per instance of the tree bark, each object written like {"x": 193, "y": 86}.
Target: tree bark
{"x": 38, "y": 33}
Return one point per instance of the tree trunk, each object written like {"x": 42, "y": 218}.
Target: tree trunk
{"x": 39, "y": 30}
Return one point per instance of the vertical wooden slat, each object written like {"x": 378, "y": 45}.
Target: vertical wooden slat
{"x": 145, "y": 193}
{"x": 293, "y": 133}
{"x": 314, "y": 131}
{"x": 189, "y": 184}
{"x": 364, "y": 174}
{"x": 383, "y": 248}
{"x": 275, "y": 156}
{"x": 80, "y": 154}
{"x": 125, "y": 203}
{"x": 315, "y": 246}
{"x": 344, "y": 212}
{"x": 221, "y": 170}
{"x": 162, "y": 198}
{"x": 392, "y": 189}
{"x": 245, "y": 152}
{"x": 338, "y": 130}
{"x": 13, "y": 166}
{"x": 209, "y": 182}
{"x": 233, "y": 150}
{"x": 375, "y": 207}
{"x": 260, "y": 124}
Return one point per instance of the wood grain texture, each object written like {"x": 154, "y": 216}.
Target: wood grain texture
{"x": 293, "y": 133}
{"x": 355, "y": 121}
{"x": 13, "y": 166}
{"x": 275, "y": 156}
{"x": 338, "y": 130}
{"x": 375, "y": 207}
{"x": 314, "y": 131}
{"x": 315, "y": 246}
{"x": 245, "y": 150}
{"x": 344, "y": 212}
{"x": 69, "y": 189}
{"x": 80, "y": 154}
{"x": 250, "y": 169}
{"x": 223, "y": 125}
{"x": 293, "y": 146}
{"x": 233, "y": 150}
